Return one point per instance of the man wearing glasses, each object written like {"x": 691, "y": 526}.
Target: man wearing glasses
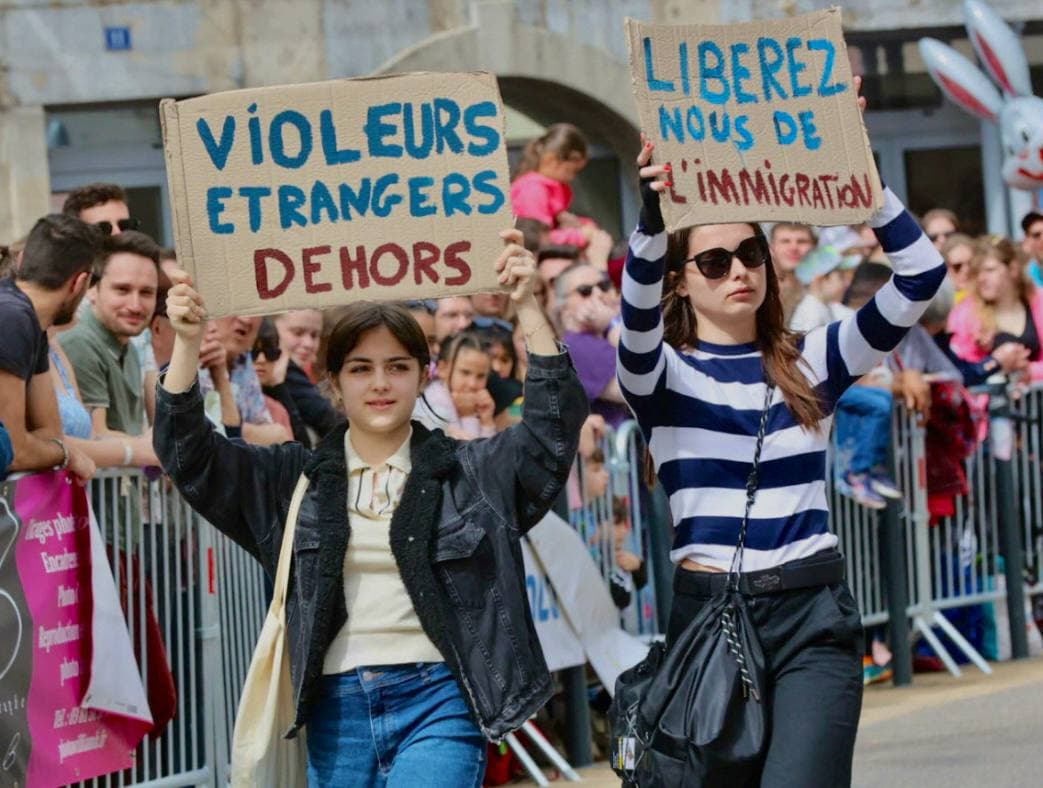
{"x": 587, "y": 307}
{"x": 102, "y": 204}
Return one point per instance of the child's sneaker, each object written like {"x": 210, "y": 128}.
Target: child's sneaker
{"x": 858, "y": 487}
{"x": 885, "y": 486}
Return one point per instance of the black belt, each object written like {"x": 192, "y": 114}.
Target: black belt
{"x": 822, "y": 569}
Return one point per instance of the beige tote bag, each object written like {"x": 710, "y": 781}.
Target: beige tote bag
{"x": 261, "y": 757}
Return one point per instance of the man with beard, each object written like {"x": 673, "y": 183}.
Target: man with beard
{"x": 108, "y": 370}
{"x": 48, "y": 284}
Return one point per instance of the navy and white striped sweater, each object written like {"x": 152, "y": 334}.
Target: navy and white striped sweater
{"x": 699, "y": 410}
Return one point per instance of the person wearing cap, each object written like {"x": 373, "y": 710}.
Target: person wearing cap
{"x": 1032, "y": 226}
{"x": 826, "y": 273}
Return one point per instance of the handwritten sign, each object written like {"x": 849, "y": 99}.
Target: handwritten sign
{"x": 318, "y": 194}
{"x": 759, "y": 121}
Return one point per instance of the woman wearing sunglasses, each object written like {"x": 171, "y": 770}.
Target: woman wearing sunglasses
{"x": 703, "y": 338}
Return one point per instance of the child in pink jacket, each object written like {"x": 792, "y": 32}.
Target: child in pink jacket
{"x": 541, "y": 189}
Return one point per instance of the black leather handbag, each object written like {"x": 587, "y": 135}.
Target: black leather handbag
{"x": 695, "y": 715}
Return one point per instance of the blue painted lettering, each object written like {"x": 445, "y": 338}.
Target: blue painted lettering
{"x": 291, "y": 200}
{"x": 253, "y": 195}
{"x": 333, "y": 154}
{"x": 720, "y": 126}
{"x": 708, "y": 73}
{"x": 253, "y": 125}
{"x": 785, "y": 127}
{"x": 215, "y": 206}
{"x": 419, "y": 198}
{"x": 696, "y": 123}
{"x": 488, "y": 134}
{"x": 455, "y": 191}
{"x": 662, "y": 85}
{"x": 376, "y": 130}
{"x": 670, "y": 120}
{"x": 824, "y": 86}
{"x": 808, "y": 130}
{"x": 795, "y": 67}
{"x": 418, "y": 149}
{"x": 352, "y": 200}
{"x": 447, "y": 118}
{"x": 218, "y": 151}
{"x": 382, "y": 202}
{"x": 744, "y": 139}
{"x": 485, "y": 183}
{"x": 322, "y": 200}
{"x": 739, "y": 73}
{"x": 770, "y": 67}
{"x": 277, "y": 140}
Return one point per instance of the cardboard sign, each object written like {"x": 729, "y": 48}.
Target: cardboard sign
{"x": 319, "y": 194}
{"x": 759, "y": 121}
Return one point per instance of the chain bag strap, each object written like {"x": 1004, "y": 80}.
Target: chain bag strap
{"x": 728, "y": 623}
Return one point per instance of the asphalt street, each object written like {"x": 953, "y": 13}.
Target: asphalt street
{"x": 944, "y": 732}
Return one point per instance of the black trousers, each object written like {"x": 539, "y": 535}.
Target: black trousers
{"x": 813, "y": 643}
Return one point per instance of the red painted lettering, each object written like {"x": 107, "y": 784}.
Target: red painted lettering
{"x": 350, "y": 267}
{"x": 425, "y": 255}
{"x": 396, "y": 252}
{"x": 453, "y": 260}
{"x": 264, "y": 288}
{"x": 310, "y": 268}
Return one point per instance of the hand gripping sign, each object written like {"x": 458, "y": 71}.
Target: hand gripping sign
{"x": 318, "y": 194}
{"x": 759, "y": 121}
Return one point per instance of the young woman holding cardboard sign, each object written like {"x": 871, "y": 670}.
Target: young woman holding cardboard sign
{"x": 736, "y": 410}
{"x": 410, "y": 643}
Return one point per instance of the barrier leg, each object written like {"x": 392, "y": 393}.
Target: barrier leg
{"x": 577, "y": 723}
{"x": 552, "y": 755}
{"x": 924, "y": 626}
{"x": 533, "y": 770}
{"x": 1013, "y": 557}
{"x": 961, "y": 642}
{"x": 892, "y": 557}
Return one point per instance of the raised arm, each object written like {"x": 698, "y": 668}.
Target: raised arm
{"x": 539, "y": 450}
{"x": 242, "y": 490}
{"x": 640, "y": 362}
{"x": 855, "y": 345}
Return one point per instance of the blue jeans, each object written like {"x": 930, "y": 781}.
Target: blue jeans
{"x": 863, "y": 434}
{"x": 399, "y": 726}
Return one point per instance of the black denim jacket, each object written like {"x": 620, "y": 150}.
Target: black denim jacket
{"x": 455, "y": 534}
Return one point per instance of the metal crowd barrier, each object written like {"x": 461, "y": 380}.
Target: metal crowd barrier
{"x": 595, "y": 519}
{"x": 209, "y": 597}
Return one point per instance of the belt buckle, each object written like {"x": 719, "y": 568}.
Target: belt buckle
{"x": 768, "y": 580}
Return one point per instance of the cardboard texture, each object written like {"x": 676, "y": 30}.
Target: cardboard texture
{"x": 319, "y": 194}
{"x": 759, "y": 121}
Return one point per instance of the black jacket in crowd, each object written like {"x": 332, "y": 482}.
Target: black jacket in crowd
{"x": 307, "y": 406}
{"x": 455, "y": 534}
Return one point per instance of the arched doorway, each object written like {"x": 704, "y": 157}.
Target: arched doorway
{"x": 550, "y": 78}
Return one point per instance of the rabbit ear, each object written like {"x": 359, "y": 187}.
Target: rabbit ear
{"x": 960, "y": 80}
{"x": 998, "y": 48}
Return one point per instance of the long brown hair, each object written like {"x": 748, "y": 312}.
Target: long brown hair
{"x": 561, "y": 139}
{"x": 779, "y": 347}
{"x": 1007, "y": 252}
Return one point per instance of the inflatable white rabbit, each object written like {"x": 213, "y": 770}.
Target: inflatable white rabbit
{"x": 1019, "y": 113}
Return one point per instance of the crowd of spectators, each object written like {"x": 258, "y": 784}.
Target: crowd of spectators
{"x": 83, "y": 302}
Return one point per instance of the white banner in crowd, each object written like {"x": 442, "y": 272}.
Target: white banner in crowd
{"x": 562, "y": 578}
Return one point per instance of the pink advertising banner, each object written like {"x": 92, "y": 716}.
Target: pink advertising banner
{"x": 46, "y": 737}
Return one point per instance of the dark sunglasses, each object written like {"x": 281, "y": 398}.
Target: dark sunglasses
{"x": 716, "y": 263}
{"x": 956, "y": 267}
{"x": 936, "y": 237}
{"x": 123, "y": 224}
{"x": 585, "y": 290}
{"x": 269, "y": 349}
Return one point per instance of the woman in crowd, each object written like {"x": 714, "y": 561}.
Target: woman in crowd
{"x": 939, "y": 224}
{"x": 1003, "y": 306}
{"x": 407, "y": 612}
{"x": 958, "y": 250}
{"x": 703, "y": 348}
